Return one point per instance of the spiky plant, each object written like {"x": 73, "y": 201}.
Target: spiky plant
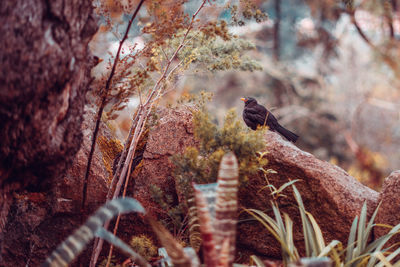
{"x": 68, "y": 250}
{"x": 218, "y": 219}
{"x": 216, "y": 206}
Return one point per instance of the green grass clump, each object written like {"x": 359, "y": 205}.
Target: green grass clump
{"x": 174, "y": 212}
{"x": 144, "y": 246}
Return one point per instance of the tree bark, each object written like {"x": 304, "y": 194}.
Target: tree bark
{"x": 45, "y": 68}
{"x": 45, "y": 72}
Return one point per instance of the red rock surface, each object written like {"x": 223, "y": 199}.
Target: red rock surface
{"x": 38, "y": 222}
{"x": 172, "y": 134}
{"x": 329, "y": 193}
{"x": 389, "y": 211}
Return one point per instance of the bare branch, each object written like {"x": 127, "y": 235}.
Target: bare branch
{"x": 165, "y": 54}
{"x": 98, "y": 243}
{"x": 173, "y": 70}
{"x": 360, "y": 31}
{"x": 96, "y": 253}
{"x": 132, "y": 149}
{"x": 103, "y": 103}
{"x": 388, "y": 8}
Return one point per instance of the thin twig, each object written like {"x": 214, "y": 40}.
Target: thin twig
{"x": 98, "y": 243}
{"x": 136, "y": 139}
{"x": 386, "y": 58}
{"x": 126, "y": 156}
{"x": 360, "y": 31}
{"x": 175, "y": 53}
{"x": 103, "y": 103}
{"x": 125, "y": 174}
{"x": 142, "y": 115}
{"x": 166, "y": 79}
{"x": 165, "y": 54}
{"x": 173, "y": 70}
{"x": 388, "y": 8}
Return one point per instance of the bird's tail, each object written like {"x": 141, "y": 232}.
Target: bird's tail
{"x": 292, "y": 137}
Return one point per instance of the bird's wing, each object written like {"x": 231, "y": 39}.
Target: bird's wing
{"x": 255, "y": 115}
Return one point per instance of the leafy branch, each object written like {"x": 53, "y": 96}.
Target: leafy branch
{"x": 136, "y": 131}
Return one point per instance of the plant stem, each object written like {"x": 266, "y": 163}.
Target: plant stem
{"x": 102, "y": 105}
{"x": 142, "y": 115}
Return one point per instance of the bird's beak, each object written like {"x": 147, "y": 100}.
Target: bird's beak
{"x": 243, "y": 99}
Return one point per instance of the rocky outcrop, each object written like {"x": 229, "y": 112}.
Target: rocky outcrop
{"x": 172, "y": 134}
{"x": 331, "y": 195}
{"x": 389, "y": 211}
{"x": 38, "y": 222}
{"x": 45, "y": 68}
{"x": 41, "y": 221}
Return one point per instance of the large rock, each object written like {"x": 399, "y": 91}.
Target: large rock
{"x": 331, "y": 195}
{"x": 389, "y": 211}
{"x": 172, "y": 134}
{"x": 41, "y": 221}
{"x": 38, "y": 222}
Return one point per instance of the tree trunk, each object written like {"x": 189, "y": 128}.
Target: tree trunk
{"x": 45, "y": 71}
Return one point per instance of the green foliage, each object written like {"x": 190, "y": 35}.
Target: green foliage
{"x": 248, "y": 11}
{"x": 174, "y": 212}
{"x": 144, "y": 246}
{"x": 275, "y": 192}
{"x": 113, "y": 262}
{"x": 200, "y": 165}
{"x": 169, "y": 34}
{"x": 216, "y": 54}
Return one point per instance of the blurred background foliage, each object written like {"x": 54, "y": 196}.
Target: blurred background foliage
{"x": 328, "y": 69}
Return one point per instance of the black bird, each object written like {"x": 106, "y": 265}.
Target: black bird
{"x": 255, "y": 115}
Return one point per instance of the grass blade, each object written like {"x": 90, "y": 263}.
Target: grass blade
{"x": 285, "y": 185}
{"x": 279, "y": 220}
{"x": 289, "y": 237}
{"x": 382, "y": 258}
{"x": 255, "y": 260}
{"x": 350, "y": 242}
{"x": 309, "y": 238}
{"x": 361, "y": 228}
{"x": 279, "y": 234}
{"x": 370, "y": 224}
{"x": 382, "y": 241}
{"x": 326, "y": 250}
{"x": 390, "y": 257}
{"x": 318, "y": 234}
